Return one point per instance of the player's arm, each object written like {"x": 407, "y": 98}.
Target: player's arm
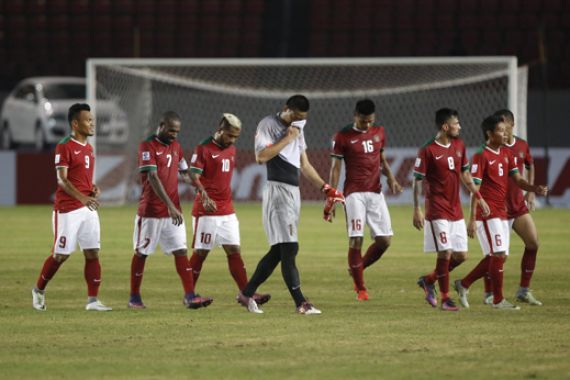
{"x": 208, "y": 203}
{"x": 471, "y": 224}
{"x": 525, "y": 185}
{"x": 271, "y": 151}
{"x": 309, "y": 172}
{"x": 158, "y": 188}
{"x": 467, "y": 181}
{"x": 394, "y": 186}
{"x": 530, "y": 196}
{"x": 334, "y": 175}
{"x": 88, "y": 201}
{"x": 418, "y": 218}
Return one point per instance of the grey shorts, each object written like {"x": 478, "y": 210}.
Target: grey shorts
{"x": 281, "y": 206}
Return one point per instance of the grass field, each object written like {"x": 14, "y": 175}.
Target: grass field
{"x": 394, "y": 335}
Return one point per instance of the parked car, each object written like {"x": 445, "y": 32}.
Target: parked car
{"x": 35, "y": 113}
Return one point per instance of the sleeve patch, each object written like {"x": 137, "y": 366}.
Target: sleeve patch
{"x": 418, "y": 162}
{"x": 194, "y": 158}
{"x": 57, "y": 158}
{"x": 146, "y": 156}
{"x": 474, "y": 168}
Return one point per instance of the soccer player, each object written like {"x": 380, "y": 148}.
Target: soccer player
{"x": 442, "y": 162}
{"x": 75, "y": 218}
{"x": 361, "y": 146}
{"x": 159, "y": 217}
{"x": 491, "y": 167}
{"x": 517, "y": 211}
{"x": 280, "y": 144}
{"x": 213, "y": 217}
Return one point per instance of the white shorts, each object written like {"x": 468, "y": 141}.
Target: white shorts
{"x": 77, "y": 226}
{"x": 369, "y": 208}
{"x": 152, "y": 231}
{"x": 215, "y": 230}
{"x": 445, "y": 235}
{"x": 494, "y": 235}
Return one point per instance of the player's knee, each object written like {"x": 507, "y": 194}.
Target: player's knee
{"x": 180, "y": 252}
{"x": 203, "y": 253}
{"x": 91, "y": 254}
{"x": 355, "y": 242}
{"x": 459, "y": 257}
{"x": 532, "y": 245}
{"x": 60, "y": 258}
{"x": 383, "y": 242}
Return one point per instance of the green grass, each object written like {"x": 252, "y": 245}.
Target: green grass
{"x": 394, "y": 335}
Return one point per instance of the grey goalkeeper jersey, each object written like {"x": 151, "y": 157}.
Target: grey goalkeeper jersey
{"x": 285, "y": 166}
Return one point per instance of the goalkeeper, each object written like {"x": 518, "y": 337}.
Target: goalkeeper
{"x": 280, "y": 144}
{"x": 361, "y": 146}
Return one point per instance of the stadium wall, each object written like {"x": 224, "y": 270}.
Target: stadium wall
{"x": 28, "y": 178}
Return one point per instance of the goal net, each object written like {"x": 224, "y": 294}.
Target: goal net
{"x": 407, "y": 92}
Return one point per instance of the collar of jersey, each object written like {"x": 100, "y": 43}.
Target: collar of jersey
{"x": 359, "y": 130}
{"x": 440, "y": 144}
{"x": 493, "y": 151}
{"x": 74, "y": 140}
{"x": 514, "y": 142}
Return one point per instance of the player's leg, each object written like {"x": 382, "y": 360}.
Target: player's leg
{"x": 356, "y": 220}
{"x": 205, "y": 232}
{"x": 378, "y": 218}
{"x": 88, "y": 237}
{"x": 65, "y": 228}
{"x": 172, "y": 239}
{"x": 524, "y": 227}
{"x": 145, "y": 240}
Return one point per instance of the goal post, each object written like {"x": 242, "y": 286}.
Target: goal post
{"x": 407, "y": 92}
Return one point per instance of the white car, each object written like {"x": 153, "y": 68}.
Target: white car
{"x": 35, "y": 113}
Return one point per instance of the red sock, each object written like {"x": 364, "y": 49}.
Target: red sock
{"x": 477, "y": 272}
{"x": 48, "y": 271}
{"x": 355, "y": 266}
{"x": 92, "y": 274}
{"x": 196, "y": 265}
{"x": 137, "y": 271}
{"x": 237, "y": 269}
{"x": 496, "y": 273}
{"x": 373, "y": 254}
{"x": 185, "y": 272}
{"x": 488, "y": 284}
{"x": 454, "y": 263}
{"x": 430, "y": 278}
{"x": 527, "y": 266}
{"x": 442, "y": 270}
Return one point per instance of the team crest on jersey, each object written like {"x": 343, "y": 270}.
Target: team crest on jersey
{"x": 459, "y": 154}
{"x": 376, "y": 138}
{"x": 146, "y": 156}
{"x": 521, "y": 154}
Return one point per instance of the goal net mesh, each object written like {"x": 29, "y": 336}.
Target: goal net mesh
{"x": 406, "y": 94}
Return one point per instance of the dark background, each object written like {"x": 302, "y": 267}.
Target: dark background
{"x": 55, "y": 37}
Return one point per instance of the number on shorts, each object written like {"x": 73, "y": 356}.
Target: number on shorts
{"x": 443, "y": 237}
{"x": 62, "y": 241}
{"x": 356, "y": 224}
{"x": 290, "y": 229}
{"x": 146, "y": 242}
{"x": 498, "y": 240}
{"x": 205, "y": 238}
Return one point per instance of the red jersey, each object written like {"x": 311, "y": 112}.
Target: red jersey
{"x": 166, "y": 160}
{"x": 516, "y": 205}
{"x": 491, "y": 169}
{"x": 361, "y": 153}
{"x": 440, "y": 167}
{"x": 216, "y": 167}
{"x": 79, "y": 160}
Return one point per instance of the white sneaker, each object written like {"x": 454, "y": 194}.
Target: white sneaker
{"x": 505, "y": 305}
{"x": 39, "y": 299}
{"x": 249, "y": 303}
{"x": 527, "y": 297}
{"x": 308, "y": 309}
{"x": 97, "y": 306}
{"x": 462, "y": 293}
{"x": 488, "y": 298}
